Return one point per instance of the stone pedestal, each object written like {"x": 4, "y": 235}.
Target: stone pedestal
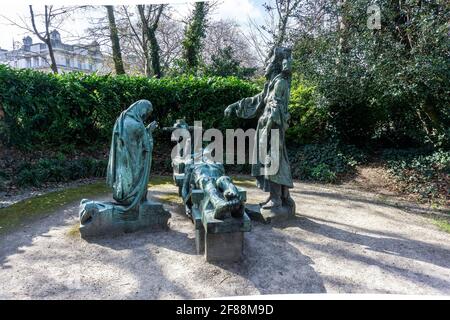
{"x": 224, "y": 246}
{"x": 278, "y": 214}
{"x": 224, "y": 239}
{"x": 285, "y": 212}
{"x": 102, "y": 218}
{"x": 218, "y": 240}
{"x": 200, "y": 240}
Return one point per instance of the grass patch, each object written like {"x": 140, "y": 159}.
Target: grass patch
{"x": 244, "y": 182}
{"x": 443, "y": 224}
{"x": 16, "y": 214}
{"x": 160, "y": 180}
{"x": 74, "y": 231}
{"x": 170, "y": 198}
{"x": 168, "y": 181}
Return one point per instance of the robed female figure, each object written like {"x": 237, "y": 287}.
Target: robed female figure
{"x": 130, "y": 156}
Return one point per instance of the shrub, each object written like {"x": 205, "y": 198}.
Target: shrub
{"x": 73, "y": 109}
{"x": 390, "y": 86}
{"x": 322, "y": 172}
{"x": 58, "y": 170}
{"x": 420, "y": 171}
{"x": 3, "y": 178}
{"x": 308, "y": 120}
{"x": 324, "y": 162}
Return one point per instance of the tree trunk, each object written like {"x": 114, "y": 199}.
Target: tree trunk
{"x": 151, "y": 49}
{"x": 342, "y": 27}
{"x": 154, "y": 52}
{"x": 401, "y": 21}
{"x": 45, "y": 39}
{"x": 53, "y": 65}
{"x": 147, "y": 59}
{"x": 114, "y": 35}
{"x": 194, "y": 34}
{"x": 429, "y": 109}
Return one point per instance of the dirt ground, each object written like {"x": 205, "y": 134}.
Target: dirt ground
{"x": 342, "y": 241}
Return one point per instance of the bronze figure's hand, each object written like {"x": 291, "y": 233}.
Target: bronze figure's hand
{"x": 230, "y": 109}
{"x": 152, "y": 126}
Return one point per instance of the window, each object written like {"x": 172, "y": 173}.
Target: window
{"x": 67, "y": 62}
{"x": 28, "y": 62}
{"x": 36, "y": 62}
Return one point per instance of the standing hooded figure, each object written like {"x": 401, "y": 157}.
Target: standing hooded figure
{"x": 131, "y": 155}
{"x": 271, "y": 108}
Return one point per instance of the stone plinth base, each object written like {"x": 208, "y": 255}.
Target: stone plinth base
{"x": 224, "y": 246}
{"x": 220, "y": 240}
{"x": 103, "y": 218}
{"x": 274, "y": 215}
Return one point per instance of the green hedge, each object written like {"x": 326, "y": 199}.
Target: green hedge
{"x": 77, "y": 109}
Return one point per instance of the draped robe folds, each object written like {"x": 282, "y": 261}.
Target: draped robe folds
{"x": 130, "y": 157}
{"x": 271, "y": 108}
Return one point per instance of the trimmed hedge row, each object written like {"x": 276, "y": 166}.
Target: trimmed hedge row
{"x": 70, "y": 109}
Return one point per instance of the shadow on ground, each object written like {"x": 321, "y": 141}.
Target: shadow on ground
{"x": 328, "y": 248}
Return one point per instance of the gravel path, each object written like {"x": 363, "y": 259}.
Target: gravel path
{"x": 342, "y": 241}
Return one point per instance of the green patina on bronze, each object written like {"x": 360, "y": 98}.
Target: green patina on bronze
{"x": 128, "y": 175}
{"x": 216, "y": 206}
{"x": 220, "y": 196}
{"x": 271, "y": 108}
{"x": 130, "y": 157}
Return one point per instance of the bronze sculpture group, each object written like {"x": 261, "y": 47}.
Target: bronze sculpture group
{"x": 216, "y": 206}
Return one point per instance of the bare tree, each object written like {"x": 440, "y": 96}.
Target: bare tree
{"x": 170, "y": 35}
{"x": 134, "y": 43}
{"x": 150, "y": 16}
{"x": 258, "y": 39}
{"x": 45, "y": 37}
{"x": 114, "y": 36}
{"x": 284, "y": 10}
{"x": 51, "y": 19}
{"x": 273, "y": 33}
{"x": 313, "y": 17}
{"x": 134, "y": 40}
{"x": 223, "y": 34}
{"x": 99, "y": 32}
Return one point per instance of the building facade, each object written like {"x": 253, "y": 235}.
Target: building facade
{"x": 69, "y": 57}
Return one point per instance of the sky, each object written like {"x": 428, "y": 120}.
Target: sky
{"x": 239, "y": 10}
